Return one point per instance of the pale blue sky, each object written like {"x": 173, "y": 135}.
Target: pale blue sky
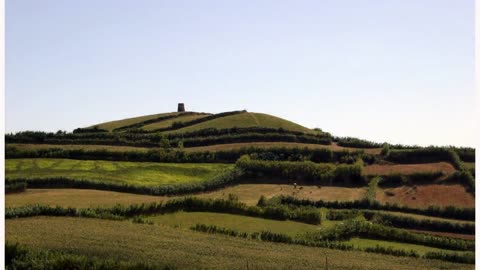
{"x": 385, "y": 70}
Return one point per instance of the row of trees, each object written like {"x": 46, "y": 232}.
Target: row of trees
{"x": 401, "y": 221}
{"x": 435, "y": 211}
{"x": 306, "y": 170}
{"x": 361, "y": 228}
{"x": 190, "y": 204}
{"x": 180, "y": 156}
{"x": 160, "y": 140}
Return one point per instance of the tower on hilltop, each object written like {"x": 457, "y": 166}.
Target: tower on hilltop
{"x": 181, "y": 107}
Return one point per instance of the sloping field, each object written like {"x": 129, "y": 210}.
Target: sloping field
{"x": 123, "y": 240}
{"x": 245, "y": 119}
{"x": 422, "y": 196}
{"x": 135, "y": 173}
{"x": 77, "y": 198}
{"x": 234, "y": 222}
{"x": 130, "y": 121}
{"x": 406, "y": 169}
{"x": 236, "y": 146}
{"x": 169, "y": 122}
{"x": 247, "y": 193}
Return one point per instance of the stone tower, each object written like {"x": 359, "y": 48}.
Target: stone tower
{"x": 181, "y": 107}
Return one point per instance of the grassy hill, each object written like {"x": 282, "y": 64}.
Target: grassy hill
{"x": 239, "y": 120}
{"x": 244, "y": 120}
{"x": 208, "y": 187}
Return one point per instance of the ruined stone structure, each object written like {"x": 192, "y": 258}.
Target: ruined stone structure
{"x": 181, "y": 107}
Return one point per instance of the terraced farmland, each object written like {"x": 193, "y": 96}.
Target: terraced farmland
{"x": 235, "y": 189}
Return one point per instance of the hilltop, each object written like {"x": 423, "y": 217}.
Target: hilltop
{"x": 193, "y": 121}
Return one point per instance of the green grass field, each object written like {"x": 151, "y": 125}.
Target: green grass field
{"x": 134, "y": 173}
{"x": 124, "y": 240}
{"x": 236, "y": 222}
{"x": 111, "y": 125}
{"x": 169, "y": 122}
{"x": 246, "y": 119}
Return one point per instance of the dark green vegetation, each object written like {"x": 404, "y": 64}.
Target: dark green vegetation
{"x": 183, "y": 154}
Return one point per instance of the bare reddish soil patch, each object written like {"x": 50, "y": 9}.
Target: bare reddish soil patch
{"x": 447, "y": 234}
{"x": 423, "y": 196}
{"x": 376, "y": 169}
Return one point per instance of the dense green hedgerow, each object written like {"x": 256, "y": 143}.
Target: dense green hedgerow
{"x": 451, "y": 257}
{"x": 419, "y": 224}
{"x": 198, "y": 138}
{"x": 447, "y": 212}
{"x": 190, "y": 204}
{"x": 179, "y": 156}
{"x": 360, "y": 228}
{"x": 425, "y": 155}
{"x": 306, "y": 170}
{"x": 15, "y": 186}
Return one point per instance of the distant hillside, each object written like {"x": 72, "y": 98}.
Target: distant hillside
{"x": 175, "y": 122}
{"x": 129, "y": 121}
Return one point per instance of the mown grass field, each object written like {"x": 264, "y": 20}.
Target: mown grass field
{"x": 245, "y": 119}
{"x": 169, "y": 122}
{"x": 422, "y": 196}
{"x": 111, "y": 125}
{"x": 123, "y": 240}
{"x": 236, "y": 222}
{"x": 134, "y": 173}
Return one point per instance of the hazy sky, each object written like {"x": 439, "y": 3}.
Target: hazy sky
{"x": 385, "y": 70}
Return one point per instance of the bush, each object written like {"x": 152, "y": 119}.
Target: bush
{"x": 306, "y": 170}
{"x": 15, "y": 186}
{"x": 425, "y": 155}
{"x": 451, "y": 257}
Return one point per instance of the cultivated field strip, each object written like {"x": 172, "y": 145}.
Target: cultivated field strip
{"x": 139, "y": 242}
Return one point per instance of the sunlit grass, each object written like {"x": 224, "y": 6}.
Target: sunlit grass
{"x": 135, "y": 173}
